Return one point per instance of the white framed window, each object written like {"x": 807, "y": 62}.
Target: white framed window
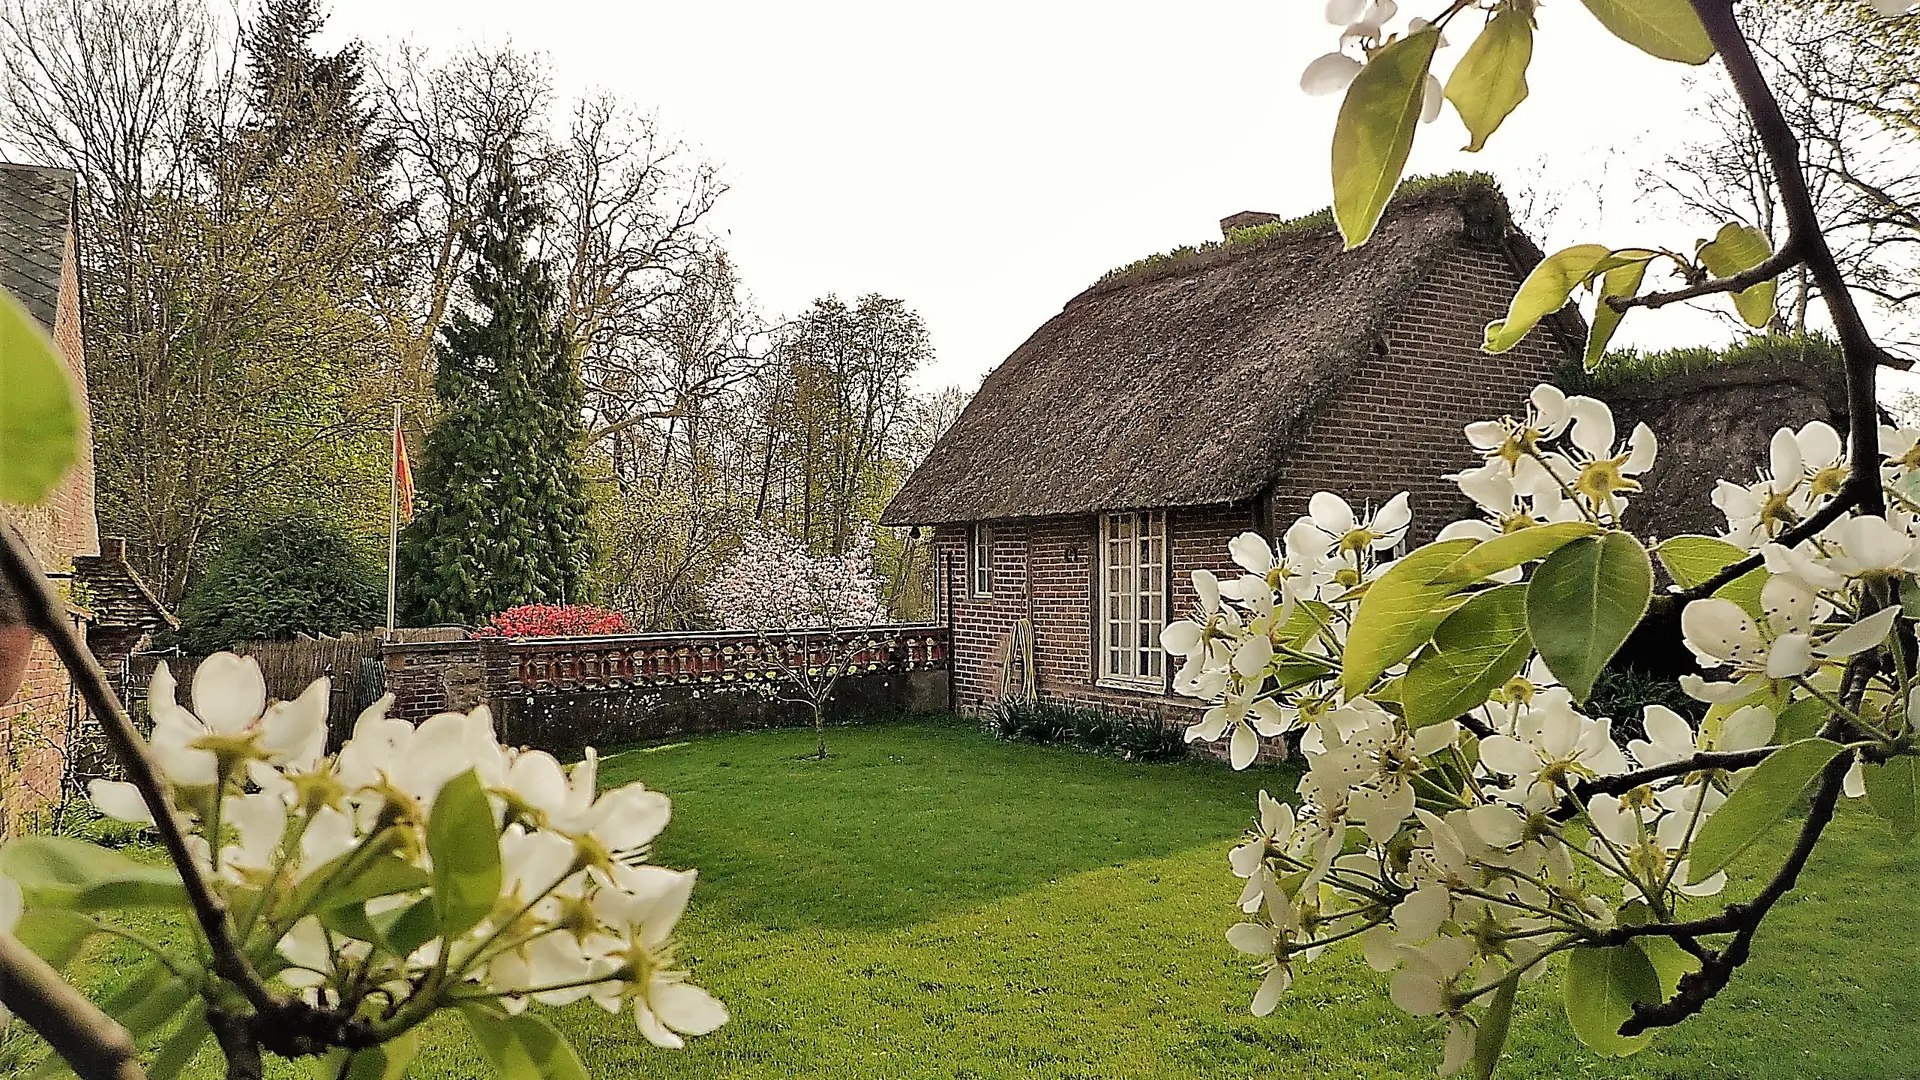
{"x": 980, "y": 560}
{"x": 1133, "y": 599}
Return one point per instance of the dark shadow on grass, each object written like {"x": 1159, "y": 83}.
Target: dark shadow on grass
{"x": 904, "y": 822}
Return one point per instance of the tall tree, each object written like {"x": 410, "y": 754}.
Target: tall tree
{"x": 502, "y": 520}
{"x": 1847, "y": 86}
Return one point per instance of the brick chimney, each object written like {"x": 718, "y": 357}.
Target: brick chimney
{"x": 1245, "y": 219}
{"x": 113, "y": 548}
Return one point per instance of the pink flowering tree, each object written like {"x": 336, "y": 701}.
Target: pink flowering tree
{"x": 776, "y": 584}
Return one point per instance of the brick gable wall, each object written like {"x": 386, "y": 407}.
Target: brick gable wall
{"x": 1396, "y": 427}
{"x": 34, "y": 725}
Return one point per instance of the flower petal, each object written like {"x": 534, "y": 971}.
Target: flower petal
{"x": 1862, "y": 635}
{"x": 228, "y": 691}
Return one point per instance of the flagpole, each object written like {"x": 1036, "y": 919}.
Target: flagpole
{"x": 393, "y": 517}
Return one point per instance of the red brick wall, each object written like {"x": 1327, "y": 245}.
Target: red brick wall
{"x": 33, "y": 726}
{"x": 1043, "y": 570}
{"x": 1397, "y": 427}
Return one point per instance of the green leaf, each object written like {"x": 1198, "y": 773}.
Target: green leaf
{"x": 384, "y": 876}
{"x": 1800, "y": 720}
{"x": 179, "y": 1049}
{"x": 1490, "y": 81}
{"x": 59, "y": 871}
{"x": 1736, "y": 248}
{"x": 54, "y": 935}
{"x": 1490, "y": 1037}
{"x": 1508, "y": 550}
{"x": 1668, "y": 29}
{"x": 1762, "y": 801}
{"x": 1374, "y": 133}
{"x": 1600, "y": 989}
{"x": 1693, "y": 560}
{"x": 1584, "y": 601}
{"x": 1474, "y": 650}
{"x": 39, "y": 408}
{"x": 465, "y": 845}
{"x": 1546, "y": 291}
{"x": 523, "y": 1047}
{"x": 1622, "y": 281}
{"x": 1670, "y": 961}
{"x": 1893, "y": 789}
{"x": 1397, "y": 614}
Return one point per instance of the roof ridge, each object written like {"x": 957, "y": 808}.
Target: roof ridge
{"x": 1415, "y": 194}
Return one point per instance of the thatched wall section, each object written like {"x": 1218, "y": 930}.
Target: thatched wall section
{"x": 1716, "y": 424}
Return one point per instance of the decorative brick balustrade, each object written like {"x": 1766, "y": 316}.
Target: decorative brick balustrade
{"x": 562, "y": 693}
{"x": 719, "y": 658}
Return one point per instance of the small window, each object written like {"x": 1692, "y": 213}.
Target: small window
{"x": 1133, "y": 599}
{"x": 980, "y": 559}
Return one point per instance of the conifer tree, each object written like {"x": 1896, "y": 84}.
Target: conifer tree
{"x": 502, "y": 517}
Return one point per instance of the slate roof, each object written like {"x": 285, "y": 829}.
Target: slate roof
{"x": 36, "y": 206}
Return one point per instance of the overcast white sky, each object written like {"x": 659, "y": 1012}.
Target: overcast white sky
{"x": 985, "y": 161}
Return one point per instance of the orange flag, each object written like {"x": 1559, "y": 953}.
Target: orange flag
{"x": 402, "y": 471}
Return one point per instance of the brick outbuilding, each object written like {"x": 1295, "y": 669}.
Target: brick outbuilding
{"x": 1191, "y": 397}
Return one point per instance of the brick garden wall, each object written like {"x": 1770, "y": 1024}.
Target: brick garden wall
{"x": 565, "y": 694}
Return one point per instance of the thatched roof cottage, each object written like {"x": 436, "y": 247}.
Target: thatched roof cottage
{"x": 1190, "y": 397}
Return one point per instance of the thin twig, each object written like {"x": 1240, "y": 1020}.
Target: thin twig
{"x": 1849, "y": 496}
{"x": 1700, "y": 762}
{"x": 1772, "y": 267}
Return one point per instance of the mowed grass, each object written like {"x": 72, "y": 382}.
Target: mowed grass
{"x": 930, "y": 902}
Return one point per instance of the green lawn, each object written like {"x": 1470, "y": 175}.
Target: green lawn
{"x": 929, "y": 902}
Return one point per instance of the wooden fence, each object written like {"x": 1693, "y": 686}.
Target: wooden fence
{"x": 351, "y": 661}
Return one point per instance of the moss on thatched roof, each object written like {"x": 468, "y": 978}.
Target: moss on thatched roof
{"x": 1319, "y": 221}
{"x": 1629, "y": 371}
{"x": 1182, "y": 380}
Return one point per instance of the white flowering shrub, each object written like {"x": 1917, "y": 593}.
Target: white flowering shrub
{"x": 419, "y": 869}
{"x": 1464, "y": 816}
{"x": 1460, "y": 815}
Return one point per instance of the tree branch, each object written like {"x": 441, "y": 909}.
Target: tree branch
{"x": 1852, "y": 494}
{"x": 1783, "y": 154}
{"x": 1774, "y": 265}
{"x": 47, "y": 616}
{"x": 89, "y": 1040}
{"x": 1700, "y": 762}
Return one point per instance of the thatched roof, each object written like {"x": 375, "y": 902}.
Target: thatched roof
{"x": 1181, "y": 381}
{"x": 1716, "y": 424}
{"x": 36, "y": 205}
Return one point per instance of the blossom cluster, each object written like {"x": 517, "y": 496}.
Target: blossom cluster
{"x": 775, "y": 583}
{"x": 1462, "y": 849}
{"x": 1363, "y": 26}
{"x": 420, "y": 866}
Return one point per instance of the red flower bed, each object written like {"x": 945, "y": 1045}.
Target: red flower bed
{"x": 555, "y": 620}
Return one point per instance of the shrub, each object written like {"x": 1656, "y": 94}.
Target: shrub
{"x": 1622, "y": 694}
{"x": 1133, "y": 736}
{"x": 554, "y": 620}
{"x": 294, "y": 575}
